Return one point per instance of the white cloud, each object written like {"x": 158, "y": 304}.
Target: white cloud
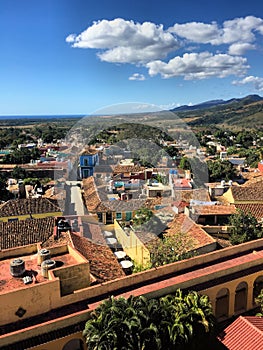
{"x": 256, "y": 81}
{"x": 240, "y": 48}
{"x": 199, "y": 66}
{"x": 126, "y": 41}
{"x": 148, "y": 44}
{"x": 196, "y": 31}
{"x": 238, "y": 30}
{"x": 71, "y": 38}
{"x": 137, "y": 76}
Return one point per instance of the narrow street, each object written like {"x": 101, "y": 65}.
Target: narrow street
{"x": 74, "y": 204}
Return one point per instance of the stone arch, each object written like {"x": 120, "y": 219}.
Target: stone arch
{"x": 222, "y": 303}
{"x": 74, "y": 344}
{"x": 257, "y": 287}
{"x": 241, "y": 298}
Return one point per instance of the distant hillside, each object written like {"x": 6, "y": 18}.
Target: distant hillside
{"x": 242, "y": 112}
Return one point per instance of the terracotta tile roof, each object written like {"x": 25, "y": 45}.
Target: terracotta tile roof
{"x": 55, "y": 193}
{"x": 122, "y": 206}
{"x": 200, "y": 194}
{"x": 184, "y": 224}
{"x": 254, "y": 209}
{"x": 146, "y": 237}
{"x": 90, "y": 194}
{"x": 89, "y": 151}
{"x": 213, "y": 209}
{"x": 248, "y": 193}
{"x": 15, "y": 207}
{"x": 118, "y": 169}
{"x": 103, "y": 264}
{"x": 20, "y": 233}
{"x": 96, "y": 199}
{"x": 243, "y": 333}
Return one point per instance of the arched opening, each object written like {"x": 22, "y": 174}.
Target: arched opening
{"x": 241, "y": 298}
{"x": 257, "y": 287}
{"x": 74, "y": 344}
{"x": 222, "y": 304}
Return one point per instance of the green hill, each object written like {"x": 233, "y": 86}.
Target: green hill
{"x": 244, "y": 112}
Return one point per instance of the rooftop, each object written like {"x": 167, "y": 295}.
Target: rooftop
{"x": 213, "y": 209}
{"x": 16, "y": 207}
{"x": 255, "y": 209}
{"x": 127, "y": 169}
{"x": 200, "y": 194}
{"x": 184, "y": 224}
{"x": 103, "y": 264}
{"x": 20, "y": 233}
{"x": 243, "y": 333}
{"x": 9, "y": 283}
{"x": 247, "y": 193}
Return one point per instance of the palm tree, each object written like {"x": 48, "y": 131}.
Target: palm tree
{"x": 172, "y": 322}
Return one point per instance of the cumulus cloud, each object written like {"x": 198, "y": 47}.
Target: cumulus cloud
{"x": 256, "y": 81}
{"x": 199, "y": 66}
{"x": 137, "y": 76}
{"x": 240, "y": 48}
{"x": 238, "y": 30}
{"x": 196, "y": 31}
{"x": 149, "y": 44}
{"x": 126, "y": 41}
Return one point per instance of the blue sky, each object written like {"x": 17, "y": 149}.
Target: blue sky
{"x": 78, "y": 56}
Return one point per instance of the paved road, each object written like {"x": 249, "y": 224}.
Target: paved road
{"x": 74, "y": 203}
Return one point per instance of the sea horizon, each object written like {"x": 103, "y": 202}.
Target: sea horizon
{"x": 42, "y": 116}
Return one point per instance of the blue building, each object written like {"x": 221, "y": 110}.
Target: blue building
{"x": 88, "y": 159}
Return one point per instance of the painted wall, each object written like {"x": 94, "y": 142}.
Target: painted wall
{"x": 35, "y": 216}
{"x": 132, "y": 245}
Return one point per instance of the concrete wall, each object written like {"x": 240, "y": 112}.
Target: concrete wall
{"x": 36, "y": 299}
{"x": 73, "y": 278}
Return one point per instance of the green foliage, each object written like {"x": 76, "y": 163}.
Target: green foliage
{"x": 185, "y": 164}
{"x": 21, "y": 156}
{"x": 170, "y": 249}
{"x": 244, "y": 228}
{"x": 140, "y": 267}
{"x": 18, "y": 173}
{"x": 142, "y": 216}
{"x": 259, "y": 301}
{"x": 221, "y": 170}
{"x": 177, "y": 321}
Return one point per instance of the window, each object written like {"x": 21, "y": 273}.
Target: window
{"x": 118, "y": 216}
{"x": 128, "y": 216}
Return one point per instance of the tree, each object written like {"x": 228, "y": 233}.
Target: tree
{"x": 18, "y": 173}
{"x": 142, "y": 216}
{"x": 180, "y": 321}
{"x": 185, "y": 164}
{"x": 219, "y": 170}
{"x": 244, "y": 228}
{"x": 170, "y": 249}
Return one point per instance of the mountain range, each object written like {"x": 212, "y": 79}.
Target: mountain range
{"x": 213, "y": 103}
{"x": 246, "y": 112}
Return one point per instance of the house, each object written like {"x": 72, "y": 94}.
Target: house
{"x": 28, "y": 208}
{"x": 137, "y": 243}
{"x": 202, "y": 242}
{"x": 97, "y": 202}
{"x": 247, "y": 198}
{"x": 246, "y": 332}
{"x": 87, "y": 161}
{"x": 157, "y": 189}
{"x": 21, "y": 233}
{"x": 211, "y": 214}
